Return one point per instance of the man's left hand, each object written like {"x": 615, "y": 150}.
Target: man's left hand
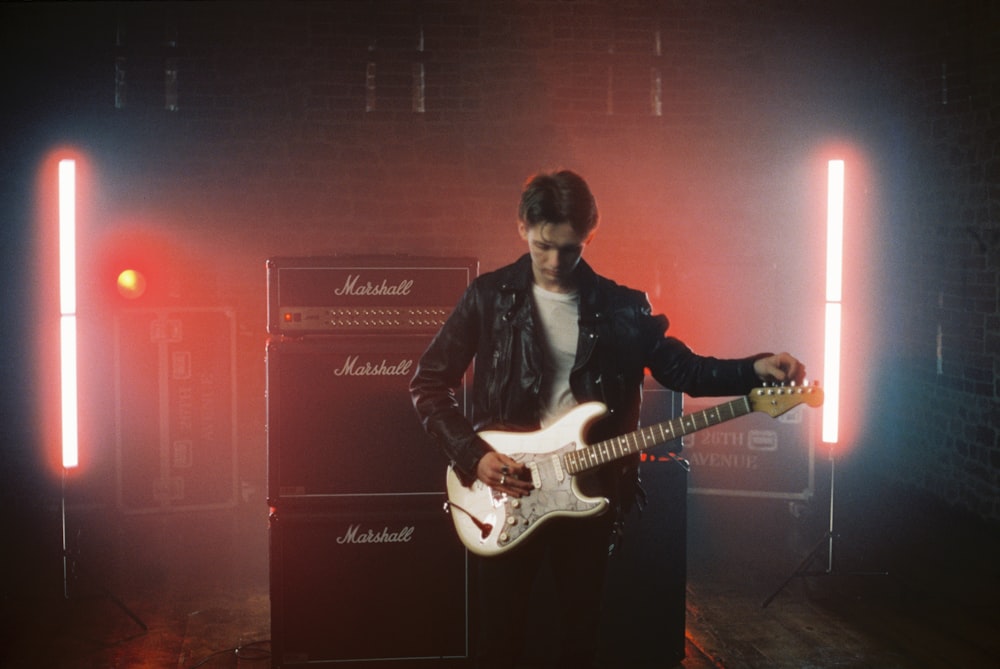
{"x": 782, "y": 368}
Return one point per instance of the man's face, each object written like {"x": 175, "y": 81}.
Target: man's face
{"x": 555, "y": 250}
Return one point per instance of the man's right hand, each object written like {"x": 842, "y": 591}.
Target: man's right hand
{"x": 505, "y": 474}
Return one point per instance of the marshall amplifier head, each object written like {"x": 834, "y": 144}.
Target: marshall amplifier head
{"x": 363, "y": 294}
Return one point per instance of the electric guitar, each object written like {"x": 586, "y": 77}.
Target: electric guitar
{"x": 490, "y": 522}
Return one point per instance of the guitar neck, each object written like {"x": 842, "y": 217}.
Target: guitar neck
{"x": 609, "y": 450}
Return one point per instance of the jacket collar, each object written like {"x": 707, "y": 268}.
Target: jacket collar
{"x": 521, "y": 277}
{"x": 592, "y": 299}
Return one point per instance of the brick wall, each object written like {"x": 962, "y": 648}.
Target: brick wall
{"x": 943, "y": 434}
{"x": 228, "y": 133}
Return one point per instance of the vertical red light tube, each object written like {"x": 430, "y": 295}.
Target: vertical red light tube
{"x": 834, "y": 299}
{"x": 67, "y": 313}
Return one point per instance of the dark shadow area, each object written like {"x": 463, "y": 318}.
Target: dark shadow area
{"x": 913, "y": 585}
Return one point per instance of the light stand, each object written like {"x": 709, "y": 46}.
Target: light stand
{"x": 71, "y": 566}
{"x": 828, "y": 540}
{"x": 65, "y": 546}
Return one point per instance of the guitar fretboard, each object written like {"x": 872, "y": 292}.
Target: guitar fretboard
{"x": 610, "y": 450}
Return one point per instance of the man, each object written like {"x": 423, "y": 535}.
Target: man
{"x": 547, "y": 333}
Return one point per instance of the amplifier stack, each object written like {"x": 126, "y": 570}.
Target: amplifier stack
{"x": 365, "y": 567}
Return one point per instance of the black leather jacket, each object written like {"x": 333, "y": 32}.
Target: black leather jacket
{"x": 494, "y": 323}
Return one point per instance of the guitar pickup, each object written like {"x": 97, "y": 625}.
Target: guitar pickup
{"x": 557, "y": 467}
{"x": 536, "y": 478}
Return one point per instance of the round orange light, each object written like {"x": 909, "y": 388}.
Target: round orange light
{"x": 131, "y": 284}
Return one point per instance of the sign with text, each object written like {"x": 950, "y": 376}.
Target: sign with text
{"x": 752, "y": 456}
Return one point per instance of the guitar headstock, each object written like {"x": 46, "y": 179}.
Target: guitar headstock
{"x": 776, "y": 400}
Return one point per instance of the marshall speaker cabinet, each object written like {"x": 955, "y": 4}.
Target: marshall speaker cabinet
{"x": 340, "y": 422}
{"x": 644, "y": 610}
{"x": 375, "y": 581}
{"x": 365, "y": 566}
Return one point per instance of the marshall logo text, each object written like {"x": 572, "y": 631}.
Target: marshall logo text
{"x": 354, "y": 535}
{"x": 368, "y": 368}
{"x": 352, "y": 287}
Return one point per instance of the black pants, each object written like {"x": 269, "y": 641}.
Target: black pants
{"x": 570, "y": 555}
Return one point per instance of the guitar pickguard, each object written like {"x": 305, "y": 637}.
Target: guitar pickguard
{"x": 555, "y": 494}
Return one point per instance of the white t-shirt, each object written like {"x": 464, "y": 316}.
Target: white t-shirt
{"x": 559, "y": 314}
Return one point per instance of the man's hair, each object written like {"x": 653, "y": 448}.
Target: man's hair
{"x": 559, "y": 197}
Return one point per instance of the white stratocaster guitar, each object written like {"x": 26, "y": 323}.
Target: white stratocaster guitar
{"x": 490, "y": 522}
